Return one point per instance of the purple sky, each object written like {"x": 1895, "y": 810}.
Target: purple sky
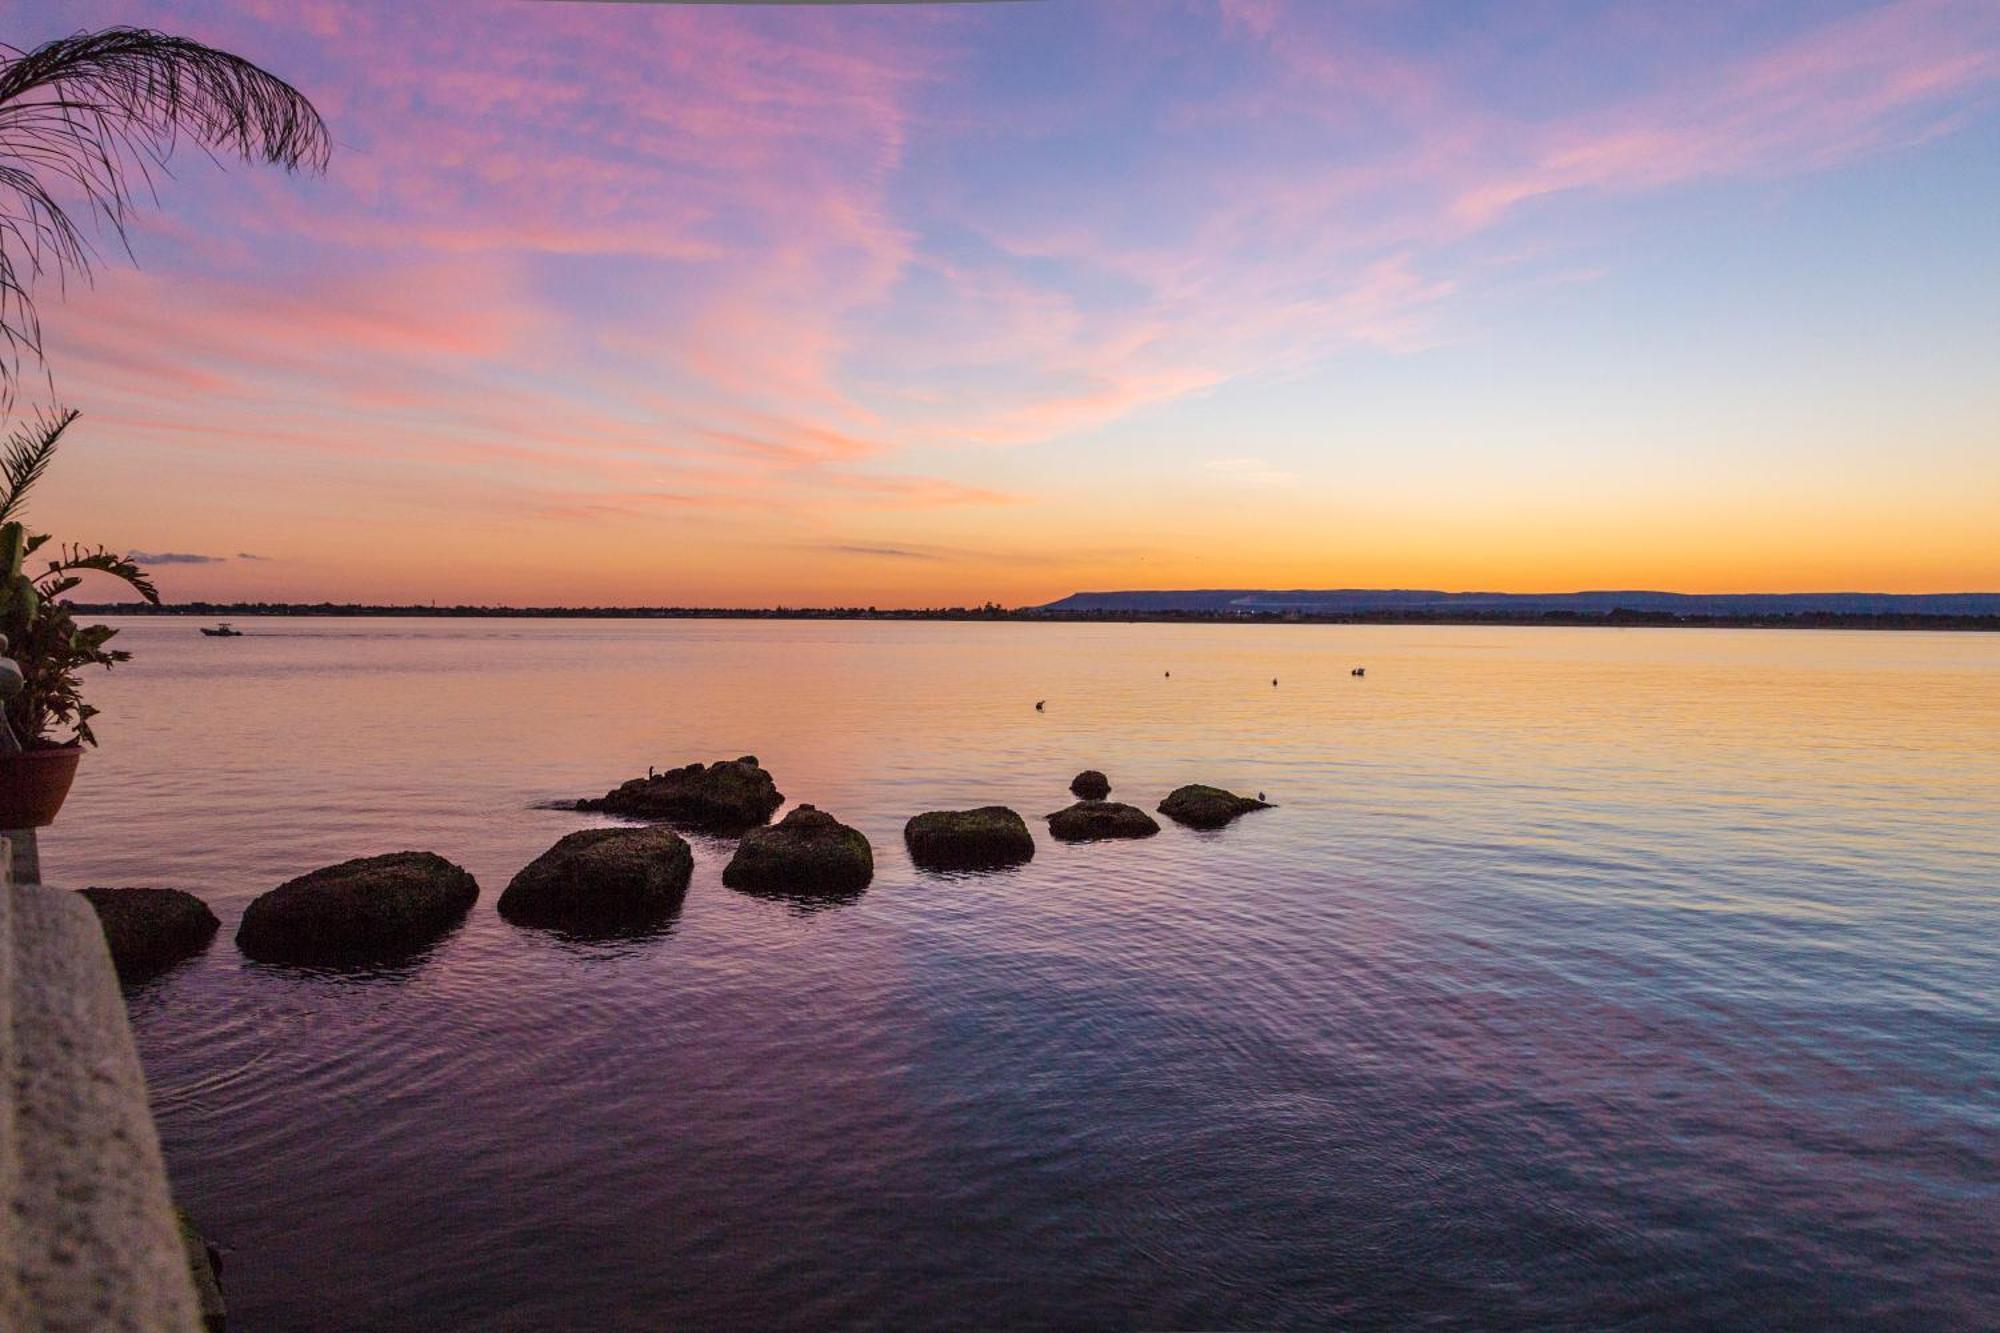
{"x": 910, "y": 305}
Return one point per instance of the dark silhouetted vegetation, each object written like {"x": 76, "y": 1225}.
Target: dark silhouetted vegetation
{"x": 992, "y": 611}
{"x": 85, "y": 123}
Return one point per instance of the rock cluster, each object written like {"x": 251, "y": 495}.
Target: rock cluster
{"x": 807, "y": 854}
{"x": 602, "y": 879}
{"x": 1207, "y": 807}
{"x": 987, "y": 838}
{"x": 370, "y": 909}
{"x": 382, "y": 907}
{"x": 149, "y": 930}
{"x": 1094, "y": 821}
{"x": 1090, "y": 785}
{"x": 725, "y": 797}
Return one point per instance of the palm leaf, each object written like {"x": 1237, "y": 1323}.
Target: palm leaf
{"x": 26, "y": 455}
{"x": 75, "y": 558}
{"x": 89, "y": 117}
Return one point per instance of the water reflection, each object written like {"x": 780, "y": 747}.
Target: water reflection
{"x": 1588, "y": 978}
{"x": 606, "y": 938}
{"x": 801, "y": 902}
{"x": 393, "y": 970}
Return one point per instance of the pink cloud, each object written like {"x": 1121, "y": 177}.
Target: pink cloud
{"x": 1307, "y": 242}
{"x": 682, "y": 261}
{"x": 1874, "y": 80}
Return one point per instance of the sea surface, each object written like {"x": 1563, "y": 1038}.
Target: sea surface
{"x": 1581, "y": 979}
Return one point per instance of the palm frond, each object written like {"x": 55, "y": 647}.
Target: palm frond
{"x": 26, "y": 455}
{"x": 75, "y": 558}
{"x": 89, "y": 117}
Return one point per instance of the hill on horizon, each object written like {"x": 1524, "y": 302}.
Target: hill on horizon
{"x": 1353, "y": 601}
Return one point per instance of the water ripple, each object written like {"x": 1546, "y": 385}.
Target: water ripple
{"x": 1596, "y": 979}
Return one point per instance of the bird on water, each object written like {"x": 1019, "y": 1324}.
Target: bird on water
{"x": 1039, "y": 703}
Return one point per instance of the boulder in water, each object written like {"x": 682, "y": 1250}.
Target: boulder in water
{"x": 1207, "y": 807}
{"x": 1091, "y": 821}
{"x": 807, "y": 854}
{"x": 149, "y": 930}
{"x": 369, "y": 909}
{"x": 1090, "y": 785}
{"x": 602, "y": 879}
{"x": 725, "y": 797}
{"x": 983, "y": 839}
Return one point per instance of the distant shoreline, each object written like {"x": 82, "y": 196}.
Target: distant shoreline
{"x": 1615, "y": 619}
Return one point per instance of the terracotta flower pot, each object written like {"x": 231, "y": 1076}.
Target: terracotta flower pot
{"x": 34, "y": 783}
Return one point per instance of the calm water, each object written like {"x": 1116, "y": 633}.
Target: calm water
{"x": 1584, "y": 978}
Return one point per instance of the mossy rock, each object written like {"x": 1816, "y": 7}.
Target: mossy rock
{"x": 807, "y": 854}
{"x": 1207, "y": 807}
{"x": 1094, "y": 821}
{"x": 725, "y": 797}
{"x": 602, "y": 879}
{"x": 370, "y": 909}
{"x": 987, "y": 838}
{"x": 1090, "y": 785}
{"x": 149, "y": 930}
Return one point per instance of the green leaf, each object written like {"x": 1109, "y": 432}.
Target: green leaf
{"x": 13, "y": 550}
{"x": 104, "y": 562}
{"x": 26, "y": 455}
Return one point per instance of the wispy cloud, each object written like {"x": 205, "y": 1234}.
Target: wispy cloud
{"x": 173, "y": 558}
{"x": 746, "y": 269}
{"x": 882, "y": 552}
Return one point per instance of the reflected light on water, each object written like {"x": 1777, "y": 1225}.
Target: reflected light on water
{"x": 1580, "y": 978}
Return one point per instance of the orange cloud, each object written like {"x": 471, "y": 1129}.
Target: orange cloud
{"x": 680, "y": 265}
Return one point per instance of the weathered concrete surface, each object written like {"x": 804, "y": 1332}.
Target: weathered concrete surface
{"x": 88, "y": 1239}
{"x": 10, "y": 1172}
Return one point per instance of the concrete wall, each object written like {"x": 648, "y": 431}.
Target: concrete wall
{"x": 88, "y": 1240}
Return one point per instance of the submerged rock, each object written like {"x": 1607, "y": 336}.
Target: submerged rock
{"x": 982, "y": 839}
{"x": 149, "y": 930}
{"x": 1207, "y": 807}
{"x": 371, "y": 908}
{"x": 1090, "y": 821}
{"x": 726, "y": 797}
{"x": 808, "y": 853}
{"x": 1090, "y": 785}
{"x": 601, "y": 878}
{"x": 205, "y": 1268}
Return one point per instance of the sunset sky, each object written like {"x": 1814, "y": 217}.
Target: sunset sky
{"x": 929, "y": 305}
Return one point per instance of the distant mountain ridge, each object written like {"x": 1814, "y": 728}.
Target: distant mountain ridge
{"x": 1363, "y": 601}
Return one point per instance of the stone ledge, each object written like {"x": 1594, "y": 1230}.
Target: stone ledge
{"x": 88, "y": 1232}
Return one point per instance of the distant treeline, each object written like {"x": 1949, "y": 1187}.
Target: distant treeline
{"x": 1616, "y": 616}
{"x": 232, "y": 610}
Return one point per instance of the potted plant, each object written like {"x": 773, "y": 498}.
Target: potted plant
{"x": 48, "y": 649}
